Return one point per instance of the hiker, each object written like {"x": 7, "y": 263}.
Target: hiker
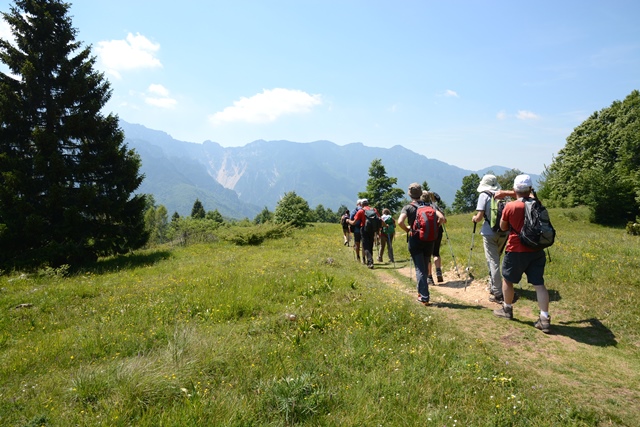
{"x": 519, "y": 259}
{"x": 434, "y": 199}
{"x": 420, "y": 251}
{"x": 346, "y": 234}
{"x": 355, "y": 229}
{"x": 493, "y": 241}
{"x": 386, "y": 234}
{"x": 367, "y": 236}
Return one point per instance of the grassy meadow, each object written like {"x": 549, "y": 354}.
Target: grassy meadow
{"x": 295, "y": 332}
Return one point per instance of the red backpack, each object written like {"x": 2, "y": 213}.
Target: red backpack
{"x": 425, "y": 225}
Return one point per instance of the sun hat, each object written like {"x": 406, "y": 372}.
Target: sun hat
{"x": 488, "y": 183}
{"x": 415, "y": 190}
{"x": 522, "y": 183}
{"x": 365, "y": 202}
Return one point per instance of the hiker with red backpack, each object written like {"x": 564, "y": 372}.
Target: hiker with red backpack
{"x": 420, "y": 221}
{"x": 370, "y": 225}
{"x": 433, "y": 199}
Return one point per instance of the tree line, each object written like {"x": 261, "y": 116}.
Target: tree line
{"x": 68, "y": 180}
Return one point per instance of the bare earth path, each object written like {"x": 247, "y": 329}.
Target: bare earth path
{"x": 579, "y": 352}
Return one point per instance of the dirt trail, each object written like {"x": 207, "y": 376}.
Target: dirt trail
{"x": 552, "y": 356}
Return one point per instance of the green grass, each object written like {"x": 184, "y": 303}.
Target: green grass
{"x": 294, "y": 332}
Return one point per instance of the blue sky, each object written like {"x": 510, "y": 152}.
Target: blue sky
{"x": 471, "y": 83}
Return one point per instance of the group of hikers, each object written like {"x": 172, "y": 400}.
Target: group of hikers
{"x": 503, "y": 225}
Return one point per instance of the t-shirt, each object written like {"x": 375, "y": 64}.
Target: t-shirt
{"x": 484, "y": 204}
{"x": 513, "y": 213}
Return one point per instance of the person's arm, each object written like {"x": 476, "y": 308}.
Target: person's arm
{"x": 441, "y": 218}
{"x": 401, "y": 222}
{"x": 504, "y": 225}
{"x": 479, "y": 216}
{"x": 501, "y": 194}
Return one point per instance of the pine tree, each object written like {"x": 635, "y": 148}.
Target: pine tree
{"x": 197, "y": 211}
{"x": 66, "y": 176}
{"x": 381, "y": 192}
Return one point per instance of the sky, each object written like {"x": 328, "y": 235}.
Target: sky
{"x": 471, "y": 83}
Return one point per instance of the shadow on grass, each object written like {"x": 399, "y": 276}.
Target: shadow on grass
{"x": 587, "y": 331}
{"x": 126, "y": 262}
{"x": 457, "y": 305}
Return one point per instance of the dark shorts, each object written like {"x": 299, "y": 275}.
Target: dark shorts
{"x": 357, "y": 236}
{"x": 515, "y": 264}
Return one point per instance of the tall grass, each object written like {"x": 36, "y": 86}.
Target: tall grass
{"x": 292, "y": 332}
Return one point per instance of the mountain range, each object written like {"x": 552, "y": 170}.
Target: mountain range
{"x": 240, "y": 181}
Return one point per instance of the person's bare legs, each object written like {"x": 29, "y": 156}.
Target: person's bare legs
{"x": 542, "y": 295}
{"x": 508, "y": 292}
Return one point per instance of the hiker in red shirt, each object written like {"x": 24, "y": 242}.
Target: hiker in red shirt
{"x": 367, "y": 236}
{"x": 520, "y": 259}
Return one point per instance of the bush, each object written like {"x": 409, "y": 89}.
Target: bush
{"x": 633, "y": 228}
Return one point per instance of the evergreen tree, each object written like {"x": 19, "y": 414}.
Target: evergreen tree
{"x": 380, "y": 188}
{"x": 467, "y": 196}
{"x": 67, "y": 178}
{"x": 197, "y": 211}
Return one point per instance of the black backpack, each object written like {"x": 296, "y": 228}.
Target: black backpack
{"x": 537, "y": 231}
{"x": 372, "y": 222}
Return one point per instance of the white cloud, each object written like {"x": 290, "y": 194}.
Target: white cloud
{"x": 501, "y": 115}
{"x": 158, "y": 90}
{"x": 161, "y": 102}
{"x": 267, "y": 106}
{"x": 527, "y": 115}
{"x": 133, "y": 53}
{"x": 158, "y": 96}
{"x": 451, "y": 94}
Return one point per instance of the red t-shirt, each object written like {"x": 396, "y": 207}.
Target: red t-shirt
{"x": 513, "y": 213}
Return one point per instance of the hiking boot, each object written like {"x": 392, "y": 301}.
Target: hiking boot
{"x": 497, "y": 300}
{"x": 543, "y": 324}
{"x": 430, "y": 280}
{"x": 504, "y": 312}
{"x": 370, "y": 265}
{"x": 424, "y": 302}
{"x": 379, "y": 259}
{"x": 500, "y": 299}
{"x": 439, "y": 275}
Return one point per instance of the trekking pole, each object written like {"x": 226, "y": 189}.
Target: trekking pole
{"x": 473, "y": 235}
{"x": 451, "y": 249}
{"x": 389, "y": 247}
{"x": 410, "y": 261}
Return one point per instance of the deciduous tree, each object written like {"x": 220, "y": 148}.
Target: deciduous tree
{"x": 467, "y": 196}
{"x": 292, "y": 209}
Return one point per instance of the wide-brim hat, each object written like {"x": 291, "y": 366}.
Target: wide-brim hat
{"x": 488, "y": 183}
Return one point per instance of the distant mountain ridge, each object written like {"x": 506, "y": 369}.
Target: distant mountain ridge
{"x": 241, "y": 181}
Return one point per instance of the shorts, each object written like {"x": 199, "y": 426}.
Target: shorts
{"x": 515, "y": 264}
{"x": 356, "y": 236}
